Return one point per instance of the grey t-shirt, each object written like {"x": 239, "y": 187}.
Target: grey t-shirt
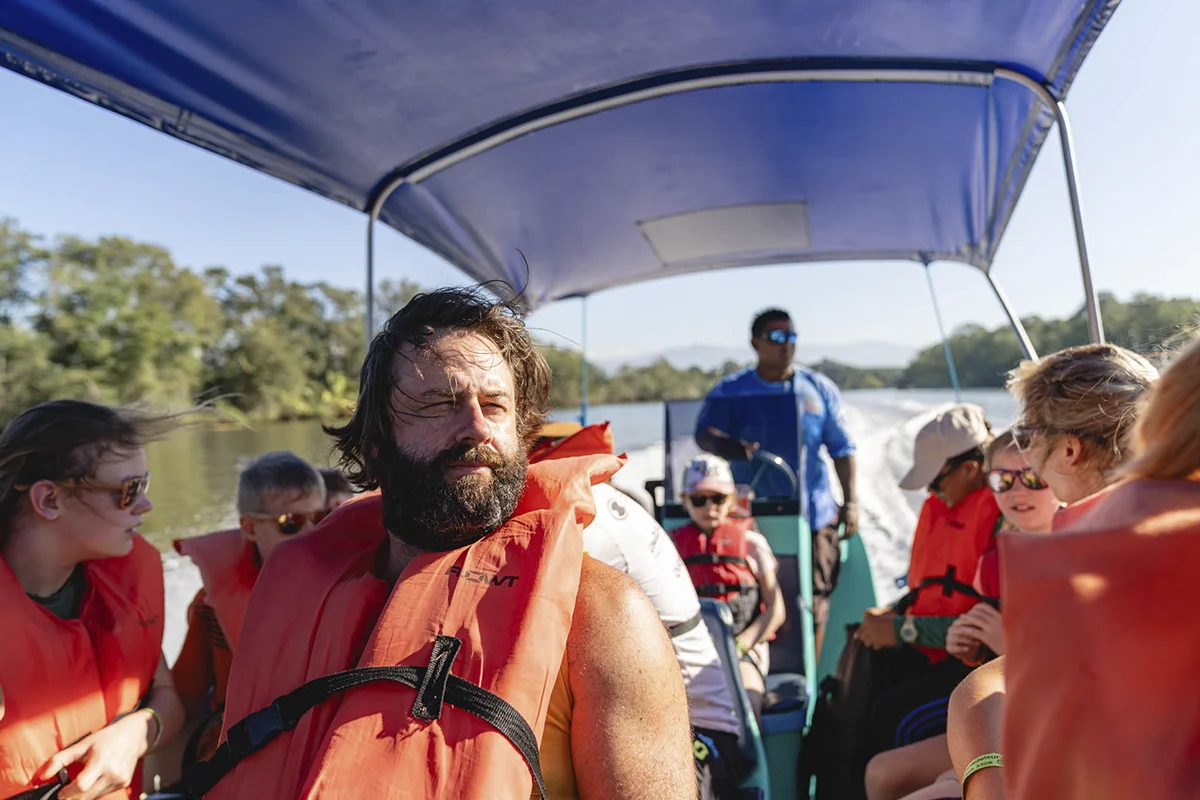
{"x": 65, "y": 603}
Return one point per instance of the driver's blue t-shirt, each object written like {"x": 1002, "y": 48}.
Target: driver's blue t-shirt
{"x": 746, "y": 407}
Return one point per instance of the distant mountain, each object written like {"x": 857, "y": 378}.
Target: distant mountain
{"x": 855, "y": 354}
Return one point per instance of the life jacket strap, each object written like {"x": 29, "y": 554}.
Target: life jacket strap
{"x": 47, "y": 791}
{"x": 434, "y": 686}
{"x": 719, "y": 589}
{"x": 713, "y": 558}
{"x": 687, "y": 626}
{"x": 949, "y": 584}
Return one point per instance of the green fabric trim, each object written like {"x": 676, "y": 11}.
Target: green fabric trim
{"x": 931, "y": 631}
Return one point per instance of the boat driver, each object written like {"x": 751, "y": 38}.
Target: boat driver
{"x": 760, "y": 408}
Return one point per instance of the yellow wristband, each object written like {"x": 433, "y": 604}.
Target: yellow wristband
{"x": 980, "y": 762}
{"x": 741, "y": 647}
{"x": 157, "y": 731}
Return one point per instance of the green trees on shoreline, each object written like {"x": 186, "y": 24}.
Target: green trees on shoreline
{"x": 118, "y": 321}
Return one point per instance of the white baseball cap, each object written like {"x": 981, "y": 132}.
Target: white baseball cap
{"x": 708, "y": 473}
{"x": 957, "y": 430}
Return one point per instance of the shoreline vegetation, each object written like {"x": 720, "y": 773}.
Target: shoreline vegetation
{"x": 117, "y": 321}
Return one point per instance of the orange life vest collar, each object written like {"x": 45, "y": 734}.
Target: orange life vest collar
{"x": 508, "y": 600}
{"x": 592, "y": 440}
{"x": 75, "y": 676}
{"x": 228, "y": 567}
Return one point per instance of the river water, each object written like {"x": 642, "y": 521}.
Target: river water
{"x": 194, "y": 475}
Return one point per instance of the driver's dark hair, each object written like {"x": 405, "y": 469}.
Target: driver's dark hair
{"x": 368, "y": 435}
{"x": 765, "y": 318}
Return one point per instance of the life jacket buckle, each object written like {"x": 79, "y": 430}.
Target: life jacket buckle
{"x": 256, "y": 730}
{"x": 432, "y": 691}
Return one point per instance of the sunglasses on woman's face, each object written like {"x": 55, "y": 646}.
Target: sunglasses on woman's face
{"x": 701, "y": 500}
{"x": 1001, "y": 480}
{"x": 127, "y": 491}
{"x": 292, "y": 522}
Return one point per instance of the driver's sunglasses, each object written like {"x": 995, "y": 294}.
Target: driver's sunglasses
{"x": 780, "y": 336}
{"x": 1001, "y": 480}
{"x": 292, "y": 522}
{"x": 701, "y": 500}
{"x": 127, "y": 491}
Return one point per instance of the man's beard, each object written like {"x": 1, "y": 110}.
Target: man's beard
{"x": 422, "y": 509}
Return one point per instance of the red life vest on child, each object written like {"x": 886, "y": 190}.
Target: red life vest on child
{"x": 719, "y": 567}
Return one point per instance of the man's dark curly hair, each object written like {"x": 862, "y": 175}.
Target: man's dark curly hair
{"x": 368, "y": 434}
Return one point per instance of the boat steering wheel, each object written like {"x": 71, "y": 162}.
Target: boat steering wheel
{"x": 769, "y": 461}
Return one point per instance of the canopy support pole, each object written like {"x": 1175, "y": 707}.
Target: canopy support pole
{"x": 583, "y": 405}
{"x": 1013, "y": 320}
{"x": 1092, "y": 301}
{"x": 370, "y": 319}
{"x": 937, "y": 313}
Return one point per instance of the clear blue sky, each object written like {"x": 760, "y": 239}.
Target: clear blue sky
{"x": 70, "y": 167}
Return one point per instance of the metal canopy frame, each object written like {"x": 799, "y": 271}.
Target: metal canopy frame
{"x": 737, "y": 74}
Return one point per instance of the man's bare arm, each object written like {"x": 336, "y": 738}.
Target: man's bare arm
{"x": 630, "y": 734}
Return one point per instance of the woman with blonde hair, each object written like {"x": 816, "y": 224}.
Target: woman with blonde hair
{"x": 1079, "y": 409}
{"x": 1101, "y": 604}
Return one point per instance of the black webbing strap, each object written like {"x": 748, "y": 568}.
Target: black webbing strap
{"x": 719, "y": 589}
{"x": 47, "y": 791}
{"x": 687, "y": 626}
{"x": 435, "y": 686}
{"x": 713, "y": 558}
{"x": 949, "y": 583}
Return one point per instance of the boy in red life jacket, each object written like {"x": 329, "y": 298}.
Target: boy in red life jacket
{"x": 954, "y": 529}
{"x": 729, "y": 560}
{"x": 279, "y": 496}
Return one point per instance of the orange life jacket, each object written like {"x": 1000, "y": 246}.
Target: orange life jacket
{"x": 947, "y": 545}
{"x": 318, "y": 609}
{"x": 719, "y": 568}
{"x": 228, "y": 568}
{"x": 592, "y": 440}
{"x": 1102, "y": 658}
{"x": 65, "y": 679}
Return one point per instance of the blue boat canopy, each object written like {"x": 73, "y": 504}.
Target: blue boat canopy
{"x": 608, "y": 142}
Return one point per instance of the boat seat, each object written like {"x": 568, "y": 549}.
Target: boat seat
{"x": 719, "y": 620}
{"x": 785, "y": 703}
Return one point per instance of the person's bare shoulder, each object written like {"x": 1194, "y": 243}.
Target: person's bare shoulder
{"x": 630, "y": 703}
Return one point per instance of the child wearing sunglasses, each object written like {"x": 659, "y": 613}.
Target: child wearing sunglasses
{"x": 280, "y": 495}
{"x": 1025, "y": 504}
{"x": 746, "y": 576}
{"x": 85, "y": 688}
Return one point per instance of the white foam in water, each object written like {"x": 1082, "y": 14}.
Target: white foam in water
{"x": 883, "y": 426}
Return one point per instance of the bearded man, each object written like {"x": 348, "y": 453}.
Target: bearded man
{"x": 455, "y": 605}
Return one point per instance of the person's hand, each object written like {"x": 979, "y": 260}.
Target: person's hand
{"x": 962, "y": 642}
{"x": 848, "y": 519}
{"x": 748, "y": 449}
{"x": 877, "y": 630}
{"x": 986, "y": 625}
{"x": 109, "y": 758}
